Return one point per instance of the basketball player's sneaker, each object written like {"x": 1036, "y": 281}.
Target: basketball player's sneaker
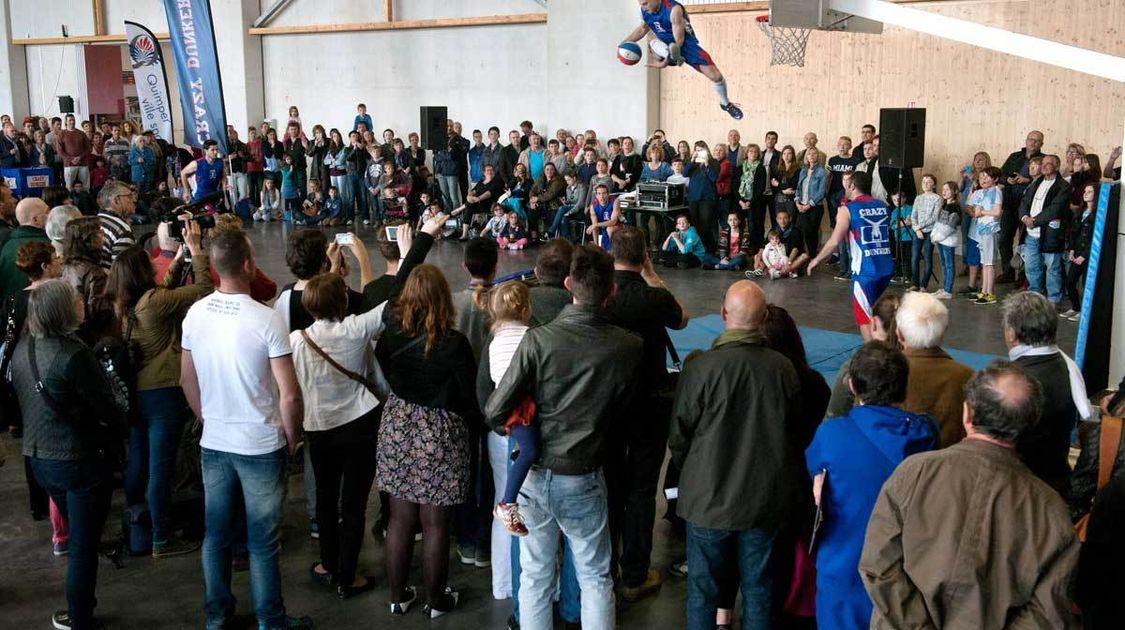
{"x": 733, "y": 109}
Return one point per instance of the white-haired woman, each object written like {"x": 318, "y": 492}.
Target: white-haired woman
{"x": 56, "y": 224}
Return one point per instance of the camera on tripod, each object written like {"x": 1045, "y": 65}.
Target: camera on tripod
{"x": 197, "y": 209}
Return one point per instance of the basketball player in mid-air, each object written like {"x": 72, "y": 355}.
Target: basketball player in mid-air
{"x": 667, "y": 22}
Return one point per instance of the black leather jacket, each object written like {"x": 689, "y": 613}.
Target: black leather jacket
{"x": 581, "y": 372}
{"x": 1084, "y": 478}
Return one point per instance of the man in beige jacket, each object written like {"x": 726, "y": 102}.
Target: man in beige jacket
{"x": 968, "y": 537}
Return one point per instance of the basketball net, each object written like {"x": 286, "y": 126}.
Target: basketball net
{"x": 787, "y": 45}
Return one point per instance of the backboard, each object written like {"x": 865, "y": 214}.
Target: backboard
{"x": 816, "y": 15}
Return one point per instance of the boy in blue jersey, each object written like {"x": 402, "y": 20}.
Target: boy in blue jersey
{"x": 865, "y": 221}
{"x": 667, "y": 26}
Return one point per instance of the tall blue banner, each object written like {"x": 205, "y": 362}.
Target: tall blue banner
{"x": 197, "y": 71}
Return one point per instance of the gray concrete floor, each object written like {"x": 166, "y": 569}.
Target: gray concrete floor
{"x": 169, "y": 593}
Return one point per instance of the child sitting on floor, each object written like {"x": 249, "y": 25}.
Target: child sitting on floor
{"x": 510, "y": 307}
{"x": 494, "y": 229}
{"x": 514, "y": 235}
{"x": 775, "y": 257}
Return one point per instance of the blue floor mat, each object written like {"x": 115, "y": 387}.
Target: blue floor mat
{"x": 827, "y": 350}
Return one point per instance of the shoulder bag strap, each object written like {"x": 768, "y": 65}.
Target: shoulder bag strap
{"x": 672, "y": 350}
{"x": 1108, "y": 444}
{"x": 413, "y": 343}
{"x": 339, "y": 368}
{"x": 50, "y": 401}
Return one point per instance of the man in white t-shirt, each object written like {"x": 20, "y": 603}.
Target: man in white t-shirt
{"x": 237, "y": 374}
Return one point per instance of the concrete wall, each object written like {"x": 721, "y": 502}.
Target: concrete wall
{"x": 485, "y": 75}
{"x": 590, "y": 88}
{"x": 53, "y": 71}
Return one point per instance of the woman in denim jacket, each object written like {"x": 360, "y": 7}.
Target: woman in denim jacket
{"x": 811, "y": 186}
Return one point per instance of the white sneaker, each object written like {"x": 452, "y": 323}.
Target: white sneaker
{"x": 942, "y": 294}
{"x": 1068, "y": 314}
{"x": 366, "y": 222}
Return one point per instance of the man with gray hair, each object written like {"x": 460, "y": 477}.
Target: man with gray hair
{"x": 936, "y": 383}
{"x": 117, "y": 202}
{"x": 967, "y": 537}
{"x": 1030, "y": 327}
{"x": 1043, "y": 213}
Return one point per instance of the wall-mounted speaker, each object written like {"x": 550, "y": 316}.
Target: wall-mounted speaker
{"x": 435, "y": 136}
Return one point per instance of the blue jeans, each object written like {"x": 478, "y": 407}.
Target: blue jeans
{"x": 1037, "y": 264}
{"x": 559, "y": 222}
{"x": 450, "y": 191}
{"x": 262, "y": 479}
{"x": 569, "y": 607}
{"x": 81, "y": 490}
{"x": 923, "y": 252}
{"x": 154, "y": 442}
{"x": 576, "y": 506}
{"x": 708, "y": 552}
{"x": 948, "y": 273}
{"x": 355, "y": 199}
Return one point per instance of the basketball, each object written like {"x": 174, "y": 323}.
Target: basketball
{"x": 629, "y": 53}
{"x": 659, "y": 49}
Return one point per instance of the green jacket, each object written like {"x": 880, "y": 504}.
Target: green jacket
{"x": 11, "y": 278}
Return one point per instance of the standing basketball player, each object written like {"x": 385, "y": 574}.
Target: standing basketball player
{"x": 866, "y": 223}
{"x": 667, "y": 21}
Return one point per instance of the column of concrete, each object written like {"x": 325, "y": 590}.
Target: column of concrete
{"x": 13, "y": 68}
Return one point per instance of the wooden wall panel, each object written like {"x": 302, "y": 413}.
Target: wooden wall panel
{"x": 975, "y": 99}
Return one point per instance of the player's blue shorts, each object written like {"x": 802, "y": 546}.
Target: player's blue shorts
{"x": 865, "y": 291}
{"x": 694, "y": 55}
{"x": 972, "y": 253}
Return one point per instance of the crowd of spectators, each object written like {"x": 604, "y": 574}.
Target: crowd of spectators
{"x": 529, "y": 426}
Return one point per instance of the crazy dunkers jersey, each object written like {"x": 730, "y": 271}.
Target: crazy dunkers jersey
{"x": 660, "y": 24}
{"x": 869, "y": 238}
{"x": 208, "y": 176}
{"x": 603, "y": 213}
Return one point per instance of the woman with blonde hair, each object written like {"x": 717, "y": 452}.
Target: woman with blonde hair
{"x": 969, "y": 185}
{"x": 422, "y": 460}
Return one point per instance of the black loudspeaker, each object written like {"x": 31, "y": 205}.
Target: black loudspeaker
{"x": 434, "y": 126}
{"x": 902, "y": 138}
{"x": 66, "y": 105}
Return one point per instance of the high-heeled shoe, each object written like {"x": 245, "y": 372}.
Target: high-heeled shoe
{"x": 448, "y": 602}
{"x": 400, "y": 608}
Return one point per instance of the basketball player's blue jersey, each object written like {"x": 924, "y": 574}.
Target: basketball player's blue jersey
{"x": 869, "y": 238}
{"x": 207, "y": 177}
{"x": 603, "y": 213}
{"x": 660, "y": 23}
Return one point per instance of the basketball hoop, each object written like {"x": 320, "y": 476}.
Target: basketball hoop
{"x": 787, "y": 45}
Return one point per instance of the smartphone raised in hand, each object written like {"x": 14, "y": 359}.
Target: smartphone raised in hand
{"x": 344, "y": 239}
